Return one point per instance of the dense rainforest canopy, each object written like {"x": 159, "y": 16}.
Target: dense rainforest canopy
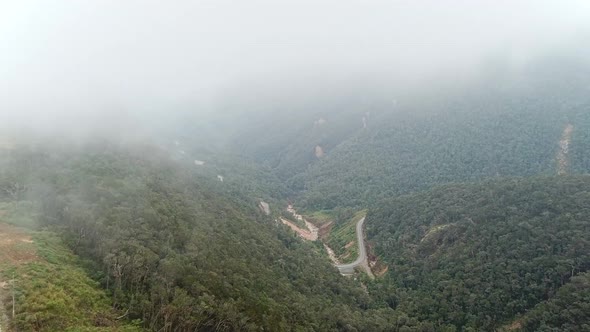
{"x": 477, "y": 256}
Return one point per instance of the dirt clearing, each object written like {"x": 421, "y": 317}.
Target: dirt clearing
{"x": 16, "y": 246}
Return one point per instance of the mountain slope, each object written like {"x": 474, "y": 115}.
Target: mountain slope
{"x": 506, "y": 126}
{"x": 176, "y": 251}
{"x": 475, "y": 255}
{"x": 568, "y": 310}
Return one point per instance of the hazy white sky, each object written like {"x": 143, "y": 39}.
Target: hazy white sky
{"x": 74, "y": 58}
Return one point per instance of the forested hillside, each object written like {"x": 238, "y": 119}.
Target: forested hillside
{"x": 507, "y": 126}
{"x": 568, "y": 310}
{"x": 175, "y": 251}
{"x": 478, "y": 255}
{"x": 412, "y": 153}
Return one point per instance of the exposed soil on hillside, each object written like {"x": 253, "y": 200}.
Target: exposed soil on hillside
{"x": 15, "y": 246}
{"x": 307, "y": 234}
{"x": 325, "y": 229}
{"x": 331, "y": 254}
{"x": 319, "y": 152}
{"x": 312, "y": 231}
{"x": 562, "y": 154}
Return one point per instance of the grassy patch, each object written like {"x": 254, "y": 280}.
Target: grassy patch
{"x": 53, "y": 293}
{"x": 320, "y": 218}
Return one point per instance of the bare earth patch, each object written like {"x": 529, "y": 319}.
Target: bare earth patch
{"x": 331, "y": 254}
{"x": 304, "y": 233}
{"x": 310, "y": 234}
{"x": 325, "y": 229}
{"x": 15, "y": 246}
{"x": 319, "y": 152}
{"x": 562, "y": 154}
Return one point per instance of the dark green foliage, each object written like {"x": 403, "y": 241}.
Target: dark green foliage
{"x": 569, "y": 310}
{"x": 477, "y": 255}
{"x": 408, "y": 153}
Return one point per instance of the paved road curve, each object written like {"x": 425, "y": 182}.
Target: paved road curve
{"x": 362, "y": 258}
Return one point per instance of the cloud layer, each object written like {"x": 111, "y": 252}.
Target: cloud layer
{"x": 72, "y": 60}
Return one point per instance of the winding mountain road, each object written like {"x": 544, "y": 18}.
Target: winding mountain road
{"x": 311, "y": 234}
{"x": 362, "y": 258}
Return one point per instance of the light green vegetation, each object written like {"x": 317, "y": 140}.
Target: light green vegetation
{"x": 320, "y": 218}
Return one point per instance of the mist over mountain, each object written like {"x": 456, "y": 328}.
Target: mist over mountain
{"x": 67, "y": 62}
{"x": 294, "y": 166}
